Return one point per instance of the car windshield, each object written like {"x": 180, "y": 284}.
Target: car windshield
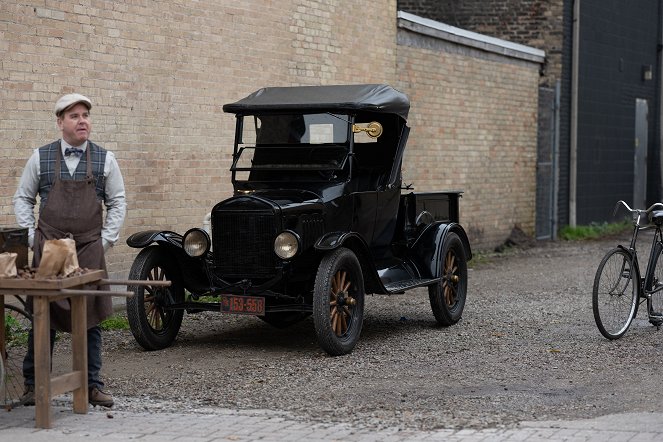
{"x": 271, "y": 144}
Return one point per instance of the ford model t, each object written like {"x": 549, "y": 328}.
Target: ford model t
{"x": 318, "y": 219}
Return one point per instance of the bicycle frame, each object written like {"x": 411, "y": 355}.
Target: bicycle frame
{"x": 619, "y": 287}
{"x": 647, "y": 285}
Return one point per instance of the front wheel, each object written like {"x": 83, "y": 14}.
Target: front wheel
{"x": 447, "y": 298}
{"x": 338, "y": 302}
{"x": 153, "y": 324}
{"x": 615, "y": 293}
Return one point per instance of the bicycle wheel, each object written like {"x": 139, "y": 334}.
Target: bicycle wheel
{"x": 615, "y": 293}
{"x": 656, "y": 287}
{"x": 18, "y": 323}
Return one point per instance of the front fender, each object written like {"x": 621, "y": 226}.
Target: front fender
{"x": 635, "y": 263}
{"x": 357, "y": 244}
{"x": 143, "y": 239}
{"x": 192, "y": 271}
{"x": 334, "y": 240}
{"x": 426, "y": 252}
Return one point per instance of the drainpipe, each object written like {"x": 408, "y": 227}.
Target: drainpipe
{"x": 573, "y": 159}
{"x": 555, "y": 161}
{"x": 659, "y": 105}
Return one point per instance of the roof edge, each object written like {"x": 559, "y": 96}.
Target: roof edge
{"x": 463, "y": 37}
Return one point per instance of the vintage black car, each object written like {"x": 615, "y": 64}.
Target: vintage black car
{"x": 318, "y": 219}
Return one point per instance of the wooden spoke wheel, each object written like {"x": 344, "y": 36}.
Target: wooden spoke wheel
{"x": 341, "y": 303}
{"x": 153, "y": 323}
{"x": 450, "y": 279}
{"x": 338, "y": 302}
{"x": 447, "y": 298}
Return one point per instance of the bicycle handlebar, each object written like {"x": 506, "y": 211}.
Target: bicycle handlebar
{"x": 638, "y": 211}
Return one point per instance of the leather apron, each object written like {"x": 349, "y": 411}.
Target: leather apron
{"x": 73, "y": 211}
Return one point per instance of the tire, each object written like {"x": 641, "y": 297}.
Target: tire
{"x": 18, "y": 323}
{"x": 615, "y": 293}
{"x": 447, "y": 299}
{"x": 153, "y": 325}
{"x": 656, "y": 282}
{"x": 284, "y": 319}
{"x": 338, "y": 302}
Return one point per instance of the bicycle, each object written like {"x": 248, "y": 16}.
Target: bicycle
{"x": 619, "y": 288}
{"x": 18, "y": 322}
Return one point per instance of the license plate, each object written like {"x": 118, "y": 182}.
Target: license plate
{"x": 243, "y": 305}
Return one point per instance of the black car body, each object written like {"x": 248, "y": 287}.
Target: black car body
{"x": 319, "y": 218}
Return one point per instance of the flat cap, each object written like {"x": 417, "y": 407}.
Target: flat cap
{"x": 67, "y": 101}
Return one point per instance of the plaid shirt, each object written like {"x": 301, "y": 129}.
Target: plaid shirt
{"x": 39, "y": 175}
{"x": 47, "y": 156}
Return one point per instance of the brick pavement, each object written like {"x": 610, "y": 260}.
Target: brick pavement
{"x": 265, "y": 425}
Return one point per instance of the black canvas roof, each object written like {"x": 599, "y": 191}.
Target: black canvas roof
{"x": 380, "y": 98}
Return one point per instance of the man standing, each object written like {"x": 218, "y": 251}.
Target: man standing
{"x": 73, "y": 178}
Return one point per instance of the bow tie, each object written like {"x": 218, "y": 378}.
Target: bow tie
{"x": 73, "y": 151}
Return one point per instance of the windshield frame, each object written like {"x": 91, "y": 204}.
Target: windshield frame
{"x": 335, "y": 153}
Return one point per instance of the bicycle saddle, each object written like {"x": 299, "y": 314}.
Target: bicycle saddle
{"x": 657, "y": 217}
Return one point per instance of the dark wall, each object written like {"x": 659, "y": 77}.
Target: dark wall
{"x": 616, "y": 39}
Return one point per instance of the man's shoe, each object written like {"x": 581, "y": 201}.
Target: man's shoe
{"x": 98, "y": 397}
{"x": 28, "y": 398}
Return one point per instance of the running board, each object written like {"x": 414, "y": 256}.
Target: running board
{"x": 399, "y": 287}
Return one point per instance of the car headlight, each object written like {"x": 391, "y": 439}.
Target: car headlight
{"x": 286, "y": 244}
{"x": 196, "y": 243}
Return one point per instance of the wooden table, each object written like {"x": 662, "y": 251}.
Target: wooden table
{"x": 43, "y": 292}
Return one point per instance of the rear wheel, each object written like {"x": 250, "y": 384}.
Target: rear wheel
{"x": 338, "y": 302}
{"x": 656, "y": 287}
{"x": 447, "y": 298}
{"x": 153, "y": 324}
{"x": 615, "y": 294}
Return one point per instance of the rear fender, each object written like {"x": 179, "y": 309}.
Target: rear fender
{"x": 426, "y": 252}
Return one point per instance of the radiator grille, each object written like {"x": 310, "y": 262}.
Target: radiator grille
{"x": 244, "y": 243}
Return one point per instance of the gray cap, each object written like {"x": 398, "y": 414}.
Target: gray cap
{"x": 67, "y": 101}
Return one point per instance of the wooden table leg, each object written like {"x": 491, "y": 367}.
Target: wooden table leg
{"x": 42, "y": 362}
{"x": 79, "y": 351}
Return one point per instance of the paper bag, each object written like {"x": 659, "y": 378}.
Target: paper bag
{"x": 58, "y": 258}
{"x": 8, "y": 265}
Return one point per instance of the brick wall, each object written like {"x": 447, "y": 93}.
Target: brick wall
{"x": 535, "y": 23}
{"x": 474, "y": 119}
{"x": 159, "y": 72}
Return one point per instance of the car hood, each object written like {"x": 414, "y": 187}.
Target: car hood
{"x": 277, "y": 199}
{"x": 284, "y": 198}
